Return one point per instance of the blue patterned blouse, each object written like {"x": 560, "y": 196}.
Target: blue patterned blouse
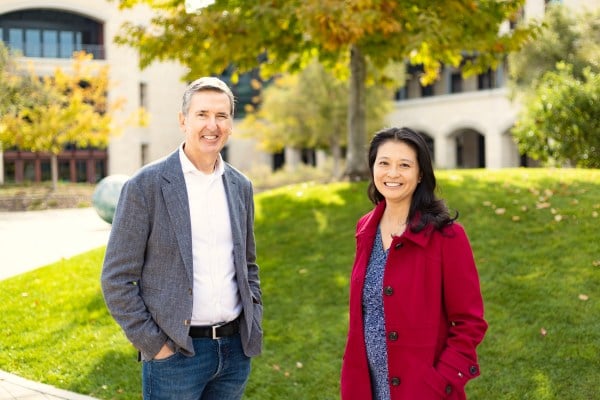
{"x": 374, "y": 321}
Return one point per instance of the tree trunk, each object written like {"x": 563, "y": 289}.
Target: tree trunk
{"x": 336, "y": 153}
{"x": 356, "y": 159}
{"x": 54, "y": 170}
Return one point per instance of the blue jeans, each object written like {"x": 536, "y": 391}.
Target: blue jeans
{"x": 218, "y": 371}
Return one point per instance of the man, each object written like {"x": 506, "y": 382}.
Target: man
{"x": 180, "y": 274}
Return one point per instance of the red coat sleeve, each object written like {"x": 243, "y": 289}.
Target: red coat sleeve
{"x": 464, "y": 309}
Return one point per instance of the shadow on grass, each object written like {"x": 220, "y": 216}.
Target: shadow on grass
{"x": 115, "y": 375}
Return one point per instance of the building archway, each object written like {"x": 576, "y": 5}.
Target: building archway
{"x": 469, "y": 148}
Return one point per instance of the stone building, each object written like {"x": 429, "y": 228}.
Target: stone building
{"x": 467, "y": 121}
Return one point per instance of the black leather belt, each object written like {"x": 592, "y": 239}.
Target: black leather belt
{"x": 215, "y": 331}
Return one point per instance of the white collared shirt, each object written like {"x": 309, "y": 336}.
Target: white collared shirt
{"x": 215, "y": 290}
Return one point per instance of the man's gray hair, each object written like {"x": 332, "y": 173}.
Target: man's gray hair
{"x": 202, "y": 84}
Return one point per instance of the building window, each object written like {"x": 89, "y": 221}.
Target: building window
{"x": 456, "y": 82}
{"x": 401, "y": 94}
{"x": 144, "y": 95}
{"x": 486, "y": 80}
{"x": 309, "y": 157}
{"x": 144, "y": 153}
{"x": 51, "y": 34}
{"x": 278, "y": 160}
{"x": 247, "y": 90}
{"x": 33, "y": 42}
{"x": 50, "y": 41}
{"x": 427, "y": 91}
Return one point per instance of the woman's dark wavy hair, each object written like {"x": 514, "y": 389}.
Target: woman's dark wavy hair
{"x": 433, "y": 211}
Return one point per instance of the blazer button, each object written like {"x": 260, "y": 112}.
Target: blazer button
{"x": 388, "y": 291}
{"x": 448, "y": 389}
{"x": 395, "y": 381}
{"x": 473, "y": 369}
{"x": 393, "y": 336}
{"x": 398, "y": 245}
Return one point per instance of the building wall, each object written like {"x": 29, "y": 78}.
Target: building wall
{"x": 458, "y": 121}
{"x": 443, "y": 118}
{"x": 134, "y": 146}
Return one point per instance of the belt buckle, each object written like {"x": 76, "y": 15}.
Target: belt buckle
{"x": 214, "y": 331}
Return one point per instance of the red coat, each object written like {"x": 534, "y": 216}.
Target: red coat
{"x": 433, "y": 314}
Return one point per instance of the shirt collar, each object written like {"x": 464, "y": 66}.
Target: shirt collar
{"x": 188, "y": 167}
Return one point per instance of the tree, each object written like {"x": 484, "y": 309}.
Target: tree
{"x": 352, "y": 33}
{"x": 309, "y": 110}
{"x": 563, "y": 38}
{"x": 556, "y": 79}
{"x": 7, "y": 80}
{"x": 561, "y": 122}
{"x": 17, "y": 91}
{"x": 66, "y": 108}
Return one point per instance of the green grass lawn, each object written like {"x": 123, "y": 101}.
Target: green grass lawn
{"x": 535, "y": 237}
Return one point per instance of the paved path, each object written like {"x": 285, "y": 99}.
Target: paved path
{"x": 32, "y": 239}
{"x": 13, "y": 387}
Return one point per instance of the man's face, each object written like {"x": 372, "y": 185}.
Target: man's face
{"x": 208, "y": 123}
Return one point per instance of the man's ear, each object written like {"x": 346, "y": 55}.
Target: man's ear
{"x": 181, "y": 120}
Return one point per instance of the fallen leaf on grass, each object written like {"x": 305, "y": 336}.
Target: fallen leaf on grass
{"x": 583, "y": 297}
{"x": 558, "y": 218}
{"x": 596, "y": 263}
{"x": 542, "y": 205}
{"x": 500, "y": 211}
{"x": 516, "y": 218}
{"x": 299, "y": 364}
{"x": 594, "y": 214}
{"x": 543, "y": 332}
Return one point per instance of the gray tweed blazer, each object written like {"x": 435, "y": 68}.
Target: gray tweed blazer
{"x": 147, "y": 272}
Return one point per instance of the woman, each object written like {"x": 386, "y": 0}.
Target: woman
{"x": 416, "y": 312}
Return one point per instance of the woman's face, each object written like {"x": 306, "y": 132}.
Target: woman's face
{"x": 396, "y": 172}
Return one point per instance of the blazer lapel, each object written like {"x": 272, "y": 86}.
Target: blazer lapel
{"x": 233, "y": 202}
{"x": 176, "y": 202}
